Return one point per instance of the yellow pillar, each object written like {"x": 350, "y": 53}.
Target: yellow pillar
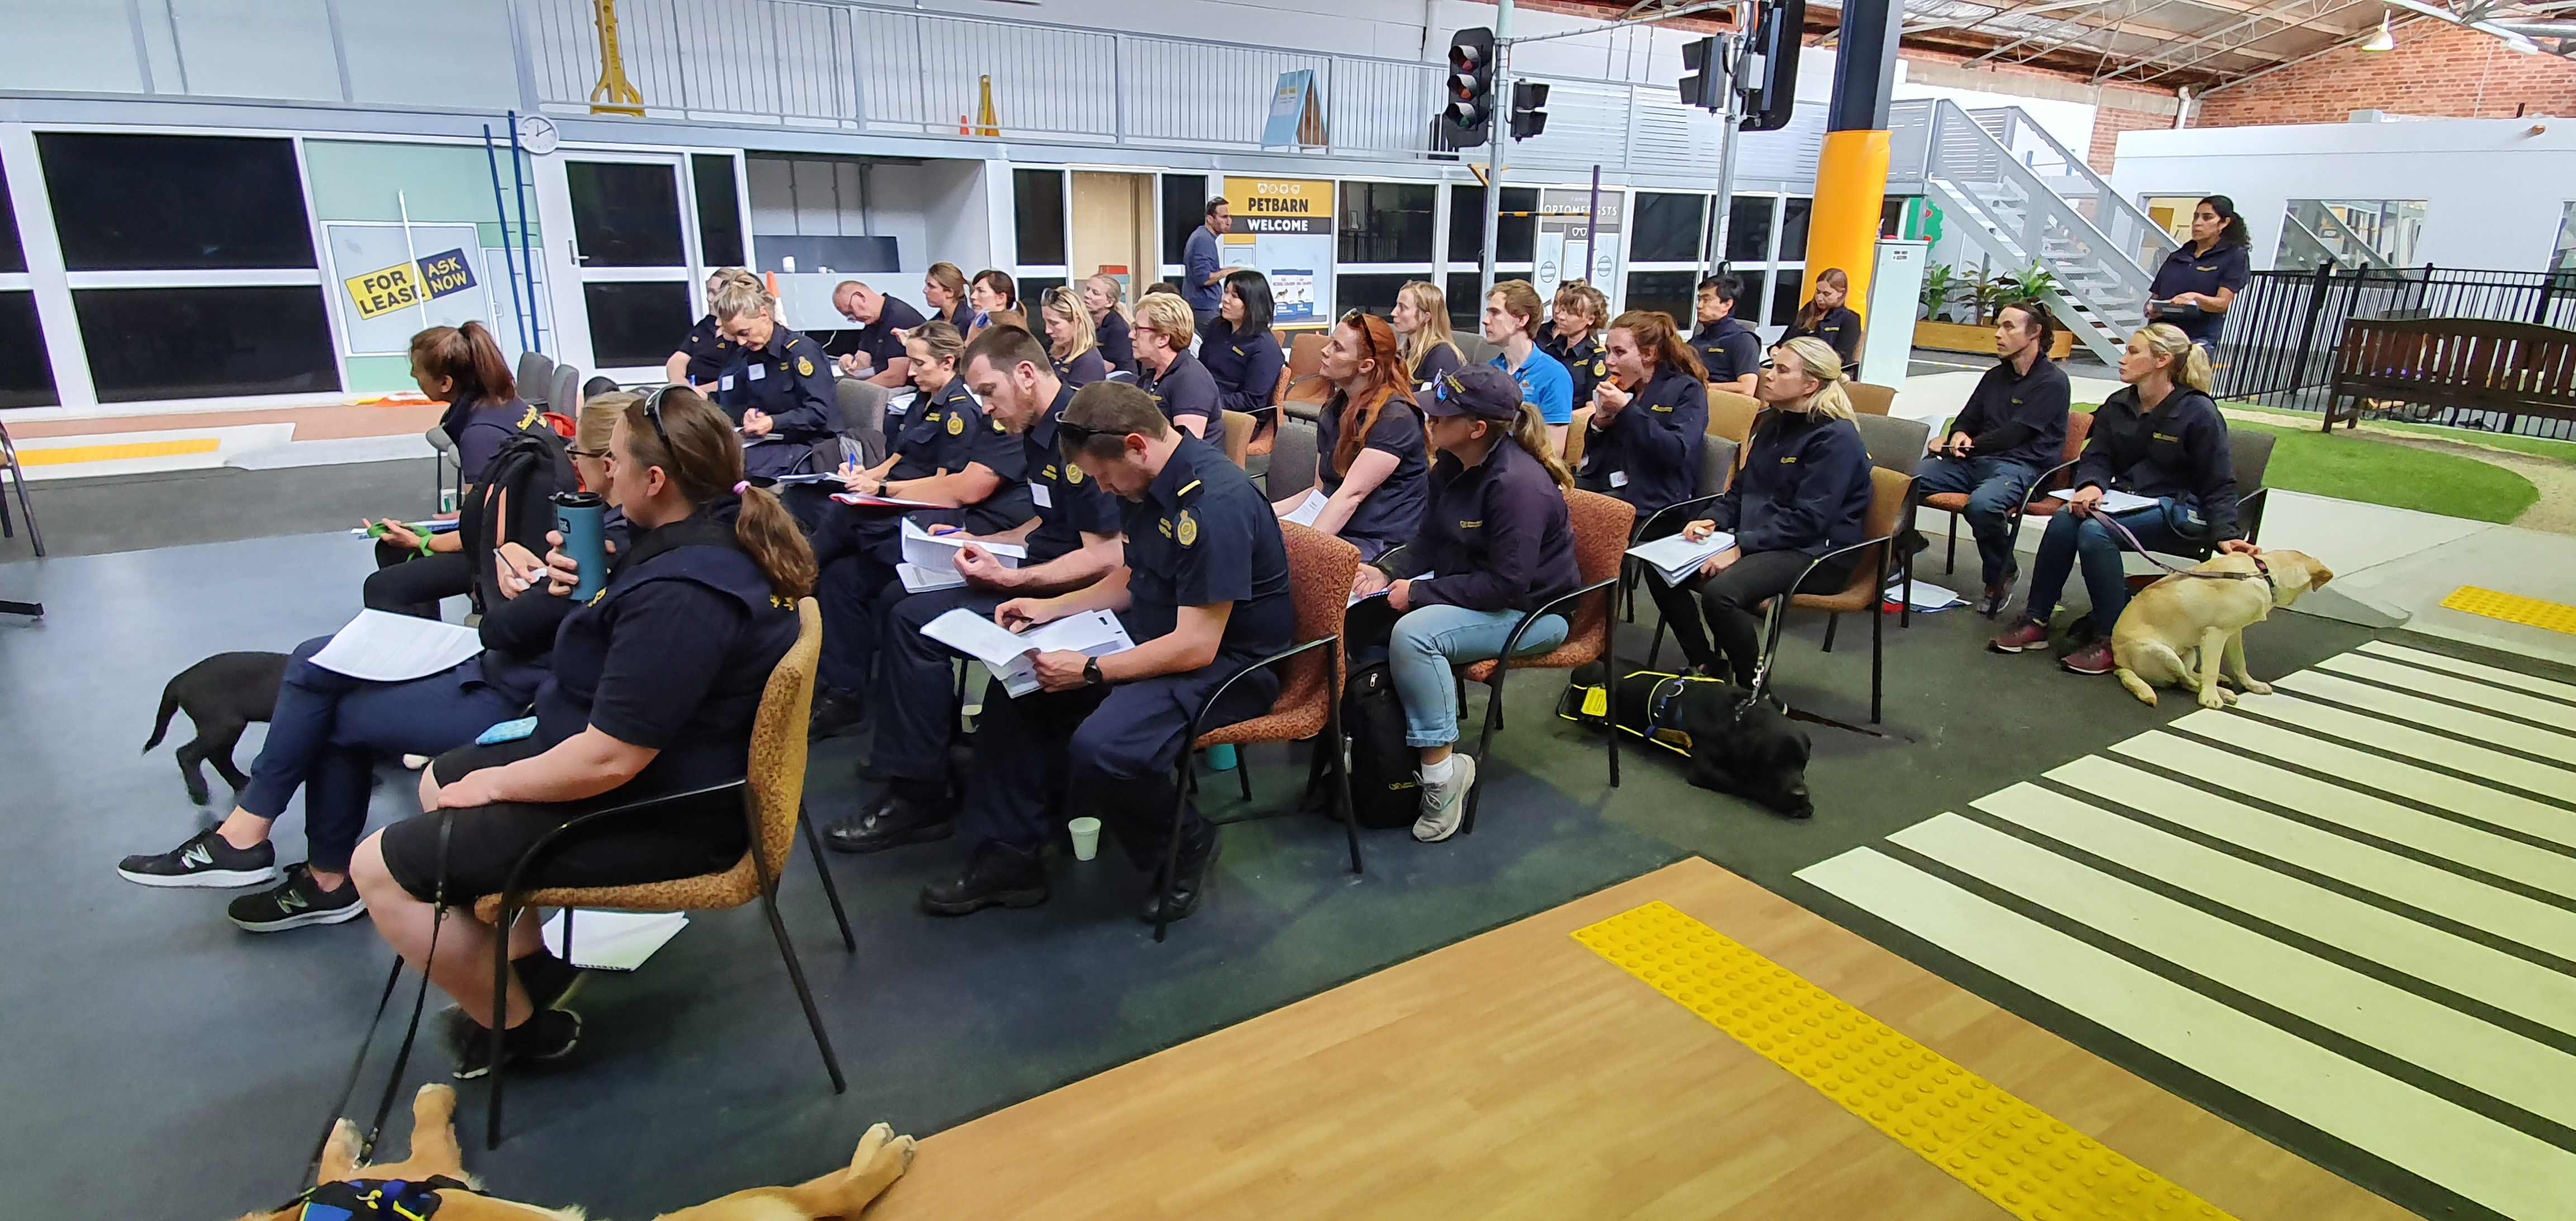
{"x": 1842, "y": 231}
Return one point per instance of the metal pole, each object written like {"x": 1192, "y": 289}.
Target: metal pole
{"x": 1728, "y": 46}
{"x": 527, "y": 245}
{"x": 1592, "y": 228}
{"x": 509, "y": 261}
{"x": 1498, "y": 130}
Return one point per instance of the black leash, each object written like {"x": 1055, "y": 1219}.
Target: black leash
{"x": 402, "y": 1058}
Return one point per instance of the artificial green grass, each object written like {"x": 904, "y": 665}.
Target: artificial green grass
{"x": 2350, "y": 467}
{"x": 2538, "y": 447}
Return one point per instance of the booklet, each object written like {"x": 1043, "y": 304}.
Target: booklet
{"x": 2116, "y": 503}
{"x": 1309, "y": 509}
{"x": 809, "y": 477}
{"x": 384, "y": 647}
{"x": 858, "y": 500}
{"x": 1676, "y": 558}
{"x": 1008, "y": 655}
{"x": 1358, "y": 598}
{"x": 938, "y": 552}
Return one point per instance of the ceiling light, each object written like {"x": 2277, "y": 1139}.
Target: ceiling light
{"x": 2384, "y": 40}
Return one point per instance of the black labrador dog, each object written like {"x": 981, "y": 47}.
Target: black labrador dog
{"x": 1738, "y": 744}
{"x": 222, "y": 694}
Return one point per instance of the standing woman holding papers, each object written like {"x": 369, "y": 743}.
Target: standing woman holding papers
{"x": 1370, "y": 459}
{"x": 656, "y": 682}
{"x": 1802, "y": 493}
{"x": 1501, "y": 543}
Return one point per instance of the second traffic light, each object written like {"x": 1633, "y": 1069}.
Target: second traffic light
{"x": 1705, "y": 87}
{"x": 1470, "y": 112}
{"x": 1529, "y": 109}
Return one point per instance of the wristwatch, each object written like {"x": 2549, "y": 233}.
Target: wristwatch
{"x": 1091, "y": 676}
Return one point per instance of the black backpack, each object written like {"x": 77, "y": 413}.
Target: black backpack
{"x": 513, "y": 501}
{"x": 1386, "y": 790}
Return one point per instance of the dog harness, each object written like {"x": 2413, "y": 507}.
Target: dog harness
{"x": 374, "y": 1200}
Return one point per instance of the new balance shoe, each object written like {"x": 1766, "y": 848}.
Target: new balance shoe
{"x": 299, "y": 901}
{"x": 2094, "y": 658}
{"x": 548, "y": 1034}
{"x": 1444, "y": 805}
{"x": 2020, "y": 637}
{"x": 205, "y": 860}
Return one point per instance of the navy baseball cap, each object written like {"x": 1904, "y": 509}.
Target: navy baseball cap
{"x": 1482, "y": 391}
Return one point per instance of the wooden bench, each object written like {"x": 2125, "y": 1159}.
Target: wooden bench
{"x": 2465, "y": 364}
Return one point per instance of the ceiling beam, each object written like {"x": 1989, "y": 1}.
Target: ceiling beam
{"x": 2289, "y": 13}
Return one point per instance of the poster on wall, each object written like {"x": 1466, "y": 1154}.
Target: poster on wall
{"x": 1283, "y": 228}
{"x": 1567, "y": 217}
{"x": 393, "y": 286}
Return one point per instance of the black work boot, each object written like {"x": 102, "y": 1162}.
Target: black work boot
{"x": 835, "y": 713}
{"x": 895, "y": 820}
{"x": 998, "y": 874}
{"x": 1198, "y": 854}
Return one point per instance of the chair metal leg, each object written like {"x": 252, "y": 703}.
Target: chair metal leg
{"x": 500, "y": 1021}
{"x": 1243, "y": 774}
{"x": 769, "y": 879}
{"x": 1952, "y": 565}
{"x": 1832, "y": 621}
{"x": 1333, "y": 743}
{"x": 1485, "y": 744}
{"x": 1610, "y": 653}
{"x": 814, "y": 845}
{"x": 1172, "y": 849}
{"x": 18, "y": 479}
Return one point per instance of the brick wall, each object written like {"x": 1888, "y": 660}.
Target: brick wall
{"x": 2107, "y": 126}
{"x": 2437, "y": 70}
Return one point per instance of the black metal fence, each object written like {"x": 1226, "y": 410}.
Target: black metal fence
{"x": 2279, "y": 345}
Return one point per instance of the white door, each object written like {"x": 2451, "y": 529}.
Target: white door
{"x": 635, "y": 242}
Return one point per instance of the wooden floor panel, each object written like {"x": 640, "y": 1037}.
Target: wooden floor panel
{"x": 1518, "y": 1074}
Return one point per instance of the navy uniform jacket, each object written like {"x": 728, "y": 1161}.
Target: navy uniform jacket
{"x": 960, "y": 315}
{"x": 950, "y": 433}
{"x": 1839, "y": 328}
{"x": 1655, "y": 442}
{"x": 1728, "y": 348}
{"x": 2178, "y": 450}
{"x": 1497, "y": 535}
{"x": 1184, "y": 389}
{"x": 481, "y": 427}
{"x": 1392, "y": 513}
{"x": 1245, "y": 366}
{"x": 1066, "y": 502}
{"x": 1584, "y": 362}
{"x": 1117, "y": 341}
{"x": 1443, "y": 359}
{"x": 709, "y": 352}
{"x": 1084, "y": 369}
{"x": 878, "y": 338}
{"x": 2017, "y": 416}
{"x": 2190, "y": 270}
{"x": 1202, "y": 534}
{"x": 1805, "y": 486}
{"x": 791, "y": 381}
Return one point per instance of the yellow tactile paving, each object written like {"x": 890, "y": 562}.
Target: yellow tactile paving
{"x": 2513, "y": 608}
{"x": 64, "y": 455}
{"x": 1999, "y": 1146}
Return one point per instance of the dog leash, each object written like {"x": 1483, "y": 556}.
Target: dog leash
{"x": 2261, "y": 569}
{"x": 402, "y": 1058}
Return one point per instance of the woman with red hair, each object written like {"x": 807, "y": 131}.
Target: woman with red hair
{"x": 1370, "y": 458}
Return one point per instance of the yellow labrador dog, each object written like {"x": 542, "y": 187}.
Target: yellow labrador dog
{"x": 2180, "y": 631}
{"x": 393, "y": 1191}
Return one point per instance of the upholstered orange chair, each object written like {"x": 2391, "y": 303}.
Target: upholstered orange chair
{"x": 1868, "y": 399}
{"x": 1730, "y": 415}
{"x": 2042, "y": 500}
{"x": 1238, "y": 436}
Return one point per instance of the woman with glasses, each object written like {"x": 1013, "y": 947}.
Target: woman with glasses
{"x": 1370, "y": 458}
{"x": 654, "y": 687}
{"x": 1069, "y": 338}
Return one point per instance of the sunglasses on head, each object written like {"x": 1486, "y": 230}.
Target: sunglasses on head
{"x": 1080, "y": 436}
{"x": 653, "y": 412}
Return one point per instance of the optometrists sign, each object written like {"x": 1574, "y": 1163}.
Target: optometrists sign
{"x": 1283, "y": 228}
{"x": 1566, "y": 218}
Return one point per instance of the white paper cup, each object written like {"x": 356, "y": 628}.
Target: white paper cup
{"x": 1086, "y": 838}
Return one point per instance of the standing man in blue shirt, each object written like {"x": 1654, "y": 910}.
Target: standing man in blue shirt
{"x": 1203, "y": 269}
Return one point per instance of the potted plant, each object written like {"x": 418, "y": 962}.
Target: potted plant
{"x": 1986, "y": 294}
{"x": 1938, "y": 284}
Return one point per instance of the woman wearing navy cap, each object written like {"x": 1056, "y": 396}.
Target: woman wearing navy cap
{"x": 2198, "y": 283}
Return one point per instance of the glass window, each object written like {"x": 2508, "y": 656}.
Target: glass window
{"x": 2353, "y": 234}
{"x": 1033, "y": 289}
{"x": 1748, "y": 229}
{"x": 148, "y": 203}
{"x": 1037, "y": 210}
{"x": 1185, "y": 199}
{"x": 1517, "y": 234}
{"x": 2564, "y": 257}
{"x": 193, "y": 343}
{"x": 12, "y": 256}
{"x": 1386, "y": 222}
{"x": 625, "y": 213}
{"x": 1673, "y": 292}
{"x": 26, "y": 377}
{"x": 1466, "y": 308}
{"x": 719, "y": 211}
{"x": 1667, "y": 229}
{"x": 1793, "y": 229}
{"x": 1374, "y": 293}
{"x": 1785, "y": 286}
{"x": 631, "y": 324}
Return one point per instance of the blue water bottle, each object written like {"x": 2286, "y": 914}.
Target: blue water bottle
{"x": 577, "y": 518}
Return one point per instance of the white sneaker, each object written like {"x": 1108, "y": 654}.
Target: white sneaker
{"x": 415, "y": 762}
{"x": 1445, "y": 804}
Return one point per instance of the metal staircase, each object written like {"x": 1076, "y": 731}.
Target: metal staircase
{"x": 2014, "y": 193}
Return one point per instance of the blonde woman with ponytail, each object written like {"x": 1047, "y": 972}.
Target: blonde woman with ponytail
{"x": 2160, "y": 437}
{"x": 1496, "y": 544}
{"x": 1799, "y": 499}
{"x": 656, "y": 679}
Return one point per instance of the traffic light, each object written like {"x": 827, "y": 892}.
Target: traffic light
{"x": 1771, "y": 88}
{"x": 1706, "y": 86}
{"x": 1529, "y": 109}
{"x": 1470, "y": 113}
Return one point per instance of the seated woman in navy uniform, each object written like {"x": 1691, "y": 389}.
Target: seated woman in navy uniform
{"x": 1100, "y": 295}
{"x": 1165, "y": 370}
{"x": 1497, "y": 543}
{"x": 1203, "y": 592}
{"x": 1828, "y": 316}
{"x": 1421, "y": 321}
{"x": 1573, "y": 335}
{"x": 654, "y": 686}
{"x": 2197, "y": 284}
{"x": 778, "y": 388}
{"x": 991, "y": 294}
{"x": 947, "y": 454}
{"x": 329, "y": 731}
{"x": 1069, "y": 337}
{"x": 944, "y": 290}
{"x": 1649, "y": 417}
{"x": 1070, "y": 531}
{"x": 462, "y": 367}
{"x": 705, "y": 353}
{"x": 1370, "y": 457}
{"x": 1241, "y": 355}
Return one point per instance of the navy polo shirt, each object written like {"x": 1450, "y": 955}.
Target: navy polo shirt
{"x": 960, "y": 315}
{"x": 1585, "y": 364}
{"x": 2191, "y": 270}
{"x": 708, "y": 352}
{"x": 1443, "y": 359}
{"x": 1117, "y": 341}
{"x": 1244, "y": 364}
{"x": 951, "y": 432}
{"x": 790, "y": 380}
{"x": 1067, "y": 503}
{"x": 1839, "y": 328}
{"x": 483, "y": 427}
{"x": 1084, "y": 369}
{"x": 1497, "y": 534}
{"x": 1728, "y": 349}
{"x": 1392, "y": 512}
{"x": 1202, "y": 534}
{"x": 1184, "y": 388}
{"x": 878, "y": 338}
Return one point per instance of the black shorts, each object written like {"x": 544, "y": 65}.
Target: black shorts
{"x": 707, "y": 835}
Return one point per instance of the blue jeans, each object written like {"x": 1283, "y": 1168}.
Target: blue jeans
{"x": 2070, "y": 539}
{"x": 1428, "y": 641}
{"x": 1995, "y": 488}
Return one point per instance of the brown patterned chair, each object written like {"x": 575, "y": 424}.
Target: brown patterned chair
{"x": 2042, "y": 500}
{"x": 1890, "y": 492}
{"x": 1309, "y": 704}
{"x": 773, "y": 794}
{"x": 1601, "y": 525}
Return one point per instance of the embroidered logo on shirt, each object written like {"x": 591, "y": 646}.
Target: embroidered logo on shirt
{"x": 1189, "y": 529}
{"x": 530, "y": 418}
{"x": 1072, "y": 473}
{"x": 2166, "y": 436}
{"x": 1478, "y": 524}
{"x": 1787, "y": 459}
{"x": 956, "y": 426}
{"x": 804, "y": 367}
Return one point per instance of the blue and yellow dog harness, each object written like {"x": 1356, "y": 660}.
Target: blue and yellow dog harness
{"x": 374, "y": 1200}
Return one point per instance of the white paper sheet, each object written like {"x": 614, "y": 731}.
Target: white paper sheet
{"x": 1309, "y": 509}
{"x": 938, "y": 552}
{"x": 2124, "y": 502}
{"x": 920, "y": 580}
{"x": 384, "y": 647}
{"x": 1008, "y": 654}
{"x": 1676, "y": 558}
{"x": 860, "y": 501}
{"x": 809, "y": 477}
{"x": 612, "y": 940}
{"x": 1387, "y": 588}
{"x": 1926, "y": 595}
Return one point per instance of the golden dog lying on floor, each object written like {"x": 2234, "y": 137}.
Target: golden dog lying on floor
{"x": 436, "y": 1170}
{"x": 2179, "y": 631}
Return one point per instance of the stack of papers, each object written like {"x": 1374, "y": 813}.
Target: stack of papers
{"x": 930, "y": 560}
{"x": 2125, "y": 502}
{"x": 1309, "y": 509}
{"x": 383, "y": 647}
{"x": 1926, "y": 596}
{"x": 860, "y": 501}
{"x": 813, "y": 477}
{"x": 1010, "y": 655}
{"x": 1676, "y": 558}
{"x": 610, "y": 940}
